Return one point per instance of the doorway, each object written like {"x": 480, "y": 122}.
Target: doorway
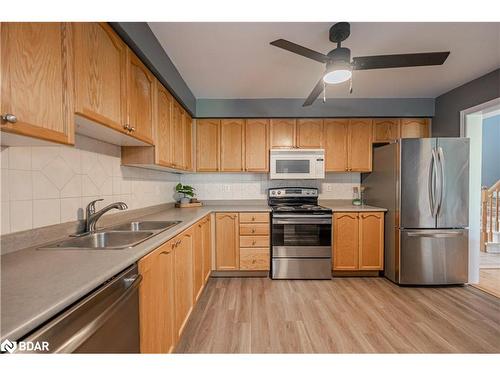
{"x": 482, "y": 125}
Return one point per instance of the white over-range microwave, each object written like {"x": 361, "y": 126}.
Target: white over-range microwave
{"x": 287, "y": 164}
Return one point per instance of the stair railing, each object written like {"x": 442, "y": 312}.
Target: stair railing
{"x": 490, "y": 220}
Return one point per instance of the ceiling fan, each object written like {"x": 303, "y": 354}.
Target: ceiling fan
{"x": 338, "y": 62}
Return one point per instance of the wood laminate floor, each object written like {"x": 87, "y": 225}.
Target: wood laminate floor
{"x": 344, "y": 315}
{"x": 489, "y": 280}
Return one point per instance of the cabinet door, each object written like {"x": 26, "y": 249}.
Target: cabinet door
{"x": 198, "y": 279}
{"x": 207, "y": 145}
{"x": 187, "y": 123}
{"x": 164, "y": 131}
{"x": 310, "y": 133}
{"x": 231, "y": 145}
{"x": 385, "y": 130}
{"x": 371, "y": 241}
{"x": 415, "y": 128}
{"x": 37, "y": 83}
{"x": 178, "y": 137}
{"x": 359, "y": 148}
{"x": 156, "y": 300}
{"x": 283, "y": 133}
{"x": 345, "y": 241}
{"x": 257, "y": 145}
{"x": 140, "y": 98}
{"x": 183, "y": 279}
{"x": 227, "y": 241}
{"x": 335, "y": 143}
{"x": 207, "y": 248}
{"x": 100, "y": 74}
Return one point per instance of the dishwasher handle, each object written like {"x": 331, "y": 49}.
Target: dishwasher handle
{"x": 83, "y": 334}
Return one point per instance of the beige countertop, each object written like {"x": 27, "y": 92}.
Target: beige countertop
{"x": 38, "y": 284}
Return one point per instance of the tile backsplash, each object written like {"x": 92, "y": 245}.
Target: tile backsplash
{"x": 254, "y": 186}
{"x": 48, "y": 185}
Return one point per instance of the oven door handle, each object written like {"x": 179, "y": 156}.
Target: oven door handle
{"x": 304, "y": 219}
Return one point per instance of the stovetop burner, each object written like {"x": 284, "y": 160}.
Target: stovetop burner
{"x": 300, "y": 208}
{"x": 296, "y": 200}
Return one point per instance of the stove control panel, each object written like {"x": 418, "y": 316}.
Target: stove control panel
{"x": 292, "y": 192}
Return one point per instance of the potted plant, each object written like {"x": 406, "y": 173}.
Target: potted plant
{"x": 186, "y": 191}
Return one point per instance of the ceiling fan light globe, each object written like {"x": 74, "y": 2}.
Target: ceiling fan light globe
{"x": 337, "y": 76}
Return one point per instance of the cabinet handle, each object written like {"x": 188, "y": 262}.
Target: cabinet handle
{"x": 9, "y": 117}
{"x": 253, "y": 230}
{"x": 165, "y": 252}
{"x": 253, "y": 218}
{"x": 254, "y": 242}
{"x": 126, "y": 127}
{"x": 132, "y": 129}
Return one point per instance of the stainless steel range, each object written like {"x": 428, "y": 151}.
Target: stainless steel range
{"x": 301, "y": 234}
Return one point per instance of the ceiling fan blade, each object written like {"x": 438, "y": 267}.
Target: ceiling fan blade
{"x": 399, "y": 61}
{"x": 314, "y": 93}
{"x": 303, "y": 51}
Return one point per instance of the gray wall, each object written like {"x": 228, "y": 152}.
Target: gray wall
{"x": 446, "y": 122}
{"x": 411, "y": 107}
{"x": 143, "y": 42}
{"x": 490, "y": 168}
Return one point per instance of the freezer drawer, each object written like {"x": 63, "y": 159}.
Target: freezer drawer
{"x": 301, "y": 268}
{"x": 434, "y": 257}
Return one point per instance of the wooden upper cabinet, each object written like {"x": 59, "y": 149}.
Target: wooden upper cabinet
{"x": 283, "y": 133}
{"x": 345, "y": 241}
{"x": 164, "y": 131}
{"x": 359, "y": 146}
{"x": 415, "y": 128}
{"x": 232, "y": 145}
{"x": 335, "y": 134}
{"x": 156, "y": 300}
{"x": 371, "y": 240}
{"x": 386, "y": 130}
{"x": 207, "y": 145}
{"x": 100, "y": 74}
{"x": 257, "y": 145}
{"x": 227, "y": 246}
{"x": 178, "y": 136}
{"x": 140, "y": 98}
{"x": 187, "y": 122}
{"x": 310, "y": 133}
{"x": 37, "y": 80}
{"x": 183, "y": 279}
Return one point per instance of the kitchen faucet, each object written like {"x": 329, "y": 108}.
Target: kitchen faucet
{"x": 91, "y": 216}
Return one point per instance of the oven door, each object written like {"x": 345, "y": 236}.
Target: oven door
{"x": 301, "y": 236}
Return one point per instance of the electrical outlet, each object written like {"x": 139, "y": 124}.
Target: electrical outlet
{"x": 226, "y": 188}
{"x": 329, "y": 187}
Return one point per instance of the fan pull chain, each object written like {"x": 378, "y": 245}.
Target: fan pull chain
{"x": 324, "y": 92}
{"x": 350, "y": 86}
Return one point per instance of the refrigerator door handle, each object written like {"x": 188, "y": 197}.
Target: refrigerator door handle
{"x": 435, "y": 233}
{"x": 440, "y": 158}
{"x": 432, "y": 183}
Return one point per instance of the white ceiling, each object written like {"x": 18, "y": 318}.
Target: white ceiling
{"x": 235, "y": 60}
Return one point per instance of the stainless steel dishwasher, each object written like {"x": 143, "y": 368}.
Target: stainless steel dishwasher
{"x": 106, "y": 321}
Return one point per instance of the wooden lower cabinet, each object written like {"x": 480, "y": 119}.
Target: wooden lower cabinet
{"x": 345, "y": 241}
{"x": 371, "y": 241}
{"x": 227, "y": 247}
{"x": 206, "y": 230}
{"x": 358, "y": 241}
{"x": 156, "y": 300}
{"x": 183, "y": 279}
{"x": 254, "y": 241}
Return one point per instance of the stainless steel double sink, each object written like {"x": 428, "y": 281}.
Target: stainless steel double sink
{"x": 117, "y": 237}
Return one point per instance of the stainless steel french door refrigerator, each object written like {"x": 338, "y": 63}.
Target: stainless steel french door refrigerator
{"x": 424, "y": 184}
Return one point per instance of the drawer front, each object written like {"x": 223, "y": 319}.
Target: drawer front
{"x": 257, "y": 241}
{"x": 254, "y": 229}
{"x": 256, "y": 259}
{"x": 254, "y": 217}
